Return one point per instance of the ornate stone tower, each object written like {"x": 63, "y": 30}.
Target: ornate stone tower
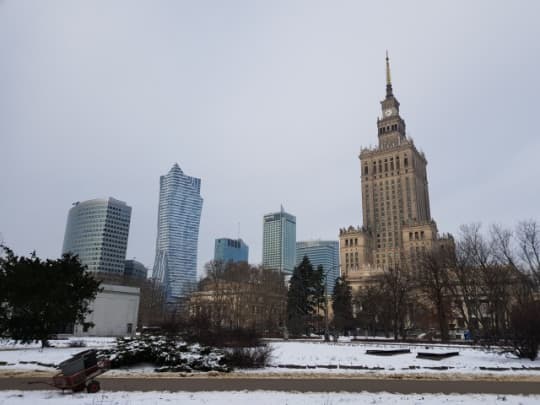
{"x": 397, "y": 224}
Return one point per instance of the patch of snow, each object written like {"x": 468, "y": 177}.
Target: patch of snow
{"x": 341, "y": 357}
{"x": 258, "y": 397}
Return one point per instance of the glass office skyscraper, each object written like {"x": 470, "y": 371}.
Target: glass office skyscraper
{"x": 230, "y": 250}
{"x": 279, "y": 242}
{"x": 97, "y": 231}
{"x": 321, "y": 253}
{"x": 179, "y": 215}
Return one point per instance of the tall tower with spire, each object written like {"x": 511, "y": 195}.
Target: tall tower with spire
{"x": 397, "y": 224}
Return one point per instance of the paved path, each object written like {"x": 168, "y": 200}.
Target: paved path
{"x": 404, "y": 386}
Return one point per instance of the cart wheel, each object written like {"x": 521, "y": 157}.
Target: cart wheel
{"x": 93, "y": 387}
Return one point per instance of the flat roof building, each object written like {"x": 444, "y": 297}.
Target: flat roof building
{"x": 279, "y": 242}
{"x": 230, "y": 250}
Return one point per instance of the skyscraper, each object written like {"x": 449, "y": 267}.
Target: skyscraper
{"x": 230, "y": 250}
{"x": 323, "y": 253}
{"x": 279, "y": 241}
{"x": 397, "y": 224}
{"x": 97, "y": 231}
{"x": 179, "y": 214}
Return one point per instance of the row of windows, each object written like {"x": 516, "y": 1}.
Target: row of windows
{"x": 388, "y": 128}
{"x": 416, "y": 235}
{"x": 387, "y": 164}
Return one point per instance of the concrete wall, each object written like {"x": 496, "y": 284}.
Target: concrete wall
{"x": 114, "y": 309}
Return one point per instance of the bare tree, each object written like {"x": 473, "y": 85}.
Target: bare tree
{"x": 466, "y": 286}
{"x": 371, "y": 312}
{"x": 240, "y": 296}
{"x": 528, "y": 239}
{"x": 396, "y": 284}
{"x": 434, "y": 281}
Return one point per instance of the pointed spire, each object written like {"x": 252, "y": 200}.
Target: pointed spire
{"x": 388, "y": 77}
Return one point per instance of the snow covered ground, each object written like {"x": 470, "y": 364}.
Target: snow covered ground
{"x": 253, "y": 397}
{"x": 307, "y": 357}
{"x": 352, "y": 357}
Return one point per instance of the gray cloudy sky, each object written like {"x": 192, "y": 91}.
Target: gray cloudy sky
{"x": 268, "y": 102}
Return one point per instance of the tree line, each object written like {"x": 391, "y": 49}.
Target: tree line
{"x": 487, "y": 284}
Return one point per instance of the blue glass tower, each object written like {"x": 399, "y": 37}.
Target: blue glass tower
{"x": 323, "y": 253}
{"x": 179, "y": 215}
{"x": 230, "y": 250}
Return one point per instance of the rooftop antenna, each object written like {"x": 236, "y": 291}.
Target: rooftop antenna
{"x": 238, "y": 230}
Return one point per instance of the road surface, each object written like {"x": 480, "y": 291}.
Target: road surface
{"x": 347, "y": 384}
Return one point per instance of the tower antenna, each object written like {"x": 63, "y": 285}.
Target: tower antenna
{"x": 388, "y": 77}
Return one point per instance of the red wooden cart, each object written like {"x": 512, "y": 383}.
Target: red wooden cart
{"x": 77, "y": 374}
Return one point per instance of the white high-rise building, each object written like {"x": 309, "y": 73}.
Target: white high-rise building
{"x": 179, "y": 215}
{"x": 97, "y": 231}
{"x": 279, "y": 242}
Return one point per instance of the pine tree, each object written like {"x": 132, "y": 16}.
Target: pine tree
{"x": 342, "y": 305}
{"x": 300, "y": 302}
{"x": 40, "y": 297}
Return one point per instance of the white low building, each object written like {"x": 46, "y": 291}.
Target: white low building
{"x": 115, "y": 312}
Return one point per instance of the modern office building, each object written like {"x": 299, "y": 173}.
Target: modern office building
{"x": 279, "y": 242}
{"x": 323, "y": 253}
{"x": 397, "y": 224}
{"x": 135, "y": 269}
{"x": 179, "y": 215}
{"x": 97, "y": 231}
{"x": 230, "y": 250}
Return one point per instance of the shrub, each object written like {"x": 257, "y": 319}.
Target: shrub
{"x": 77, "y": 343}
{"x": 198, "y": 331}
{"x": 525, "y": 330}
{"x": 248, "y": 357}
{"x": 166, "y": 353}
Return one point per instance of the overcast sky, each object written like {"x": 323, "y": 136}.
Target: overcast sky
{"x": 268, "y": 102}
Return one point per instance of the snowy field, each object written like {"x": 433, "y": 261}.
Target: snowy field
{"x": 352, "y": 358}
{"x": 253, "y": 397}
{"x": 304, "y": 357}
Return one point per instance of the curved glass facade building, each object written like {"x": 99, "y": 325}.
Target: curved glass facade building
{"x": 97, "y": 231}
{"x": 179, "y": 215}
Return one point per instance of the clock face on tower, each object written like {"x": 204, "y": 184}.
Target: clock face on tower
{"x": 388, "y": 112}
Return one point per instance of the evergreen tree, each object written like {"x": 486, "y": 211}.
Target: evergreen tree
{"x": 300, "y": 298}
{"x": 342, "y": 305}
{"x": 317, "y": 285}
{"x": 41, "y": 297}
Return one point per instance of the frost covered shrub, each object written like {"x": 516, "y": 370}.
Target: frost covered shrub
{"x": 248, "y": 357}
{"x": 166, "y": 353}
